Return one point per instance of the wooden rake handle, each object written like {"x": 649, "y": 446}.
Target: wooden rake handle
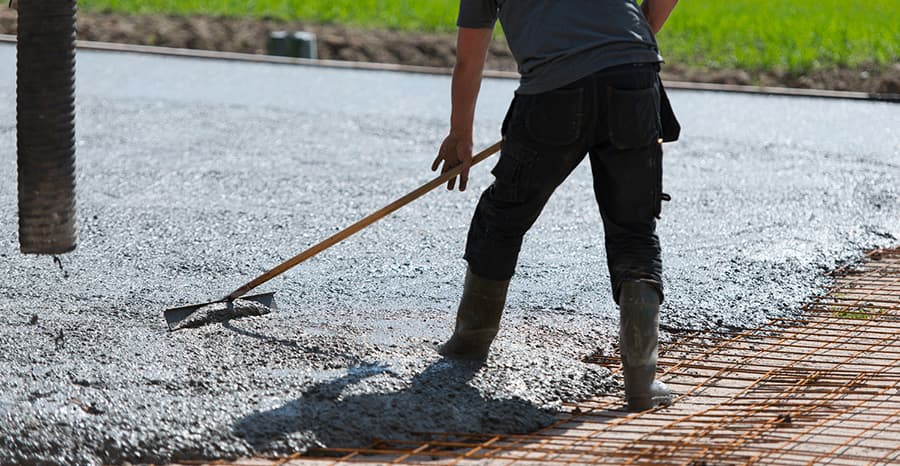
{"x": 356, "y": 227}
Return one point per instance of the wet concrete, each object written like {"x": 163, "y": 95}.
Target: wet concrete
{"x": 195, "y": 176}
{"x": 218, "y": 312}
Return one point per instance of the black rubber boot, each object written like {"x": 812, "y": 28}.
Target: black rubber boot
{"x": 638, "y": 342}
{"x": 477, "y": 319}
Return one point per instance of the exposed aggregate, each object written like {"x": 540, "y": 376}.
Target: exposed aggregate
{"x": 195, "y": 176}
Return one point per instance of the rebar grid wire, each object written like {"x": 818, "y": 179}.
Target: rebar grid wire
{"x": 820, "y": 388}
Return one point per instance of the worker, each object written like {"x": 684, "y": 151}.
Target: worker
{"x": 589, "y": 85}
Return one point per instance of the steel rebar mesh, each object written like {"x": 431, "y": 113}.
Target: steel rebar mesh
{"x": 820, "y": 389}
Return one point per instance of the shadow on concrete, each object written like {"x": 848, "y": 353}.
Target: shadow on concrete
{"x": 227, "y": 325}
{"x": 440, "y": 399}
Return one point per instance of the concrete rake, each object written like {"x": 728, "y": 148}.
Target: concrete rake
{"x": 236, "y": 304}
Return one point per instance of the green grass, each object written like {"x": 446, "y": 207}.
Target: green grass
{"x": 423, "y": 15}
{"x": 794, "y": 37}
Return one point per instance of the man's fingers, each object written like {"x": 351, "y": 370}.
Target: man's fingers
{"x": 464, "y": 173}
{"x": 451, "y": 155}
{"x": 444, "y": 169}
{"x": 464, "y": 177}
{"x": 437, "y": 161}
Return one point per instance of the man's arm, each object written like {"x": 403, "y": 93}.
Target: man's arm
{"x": 471, "y": 52}
{"x": 657, "y": 12}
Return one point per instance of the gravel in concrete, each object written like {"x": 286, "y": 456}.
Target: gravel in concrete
{"x": 194, "y": 176}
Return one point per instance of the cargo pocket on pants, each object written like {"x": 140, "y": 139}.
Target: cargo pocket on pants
{"x": 633, "y": 116}
{"x": 512, "y": 172}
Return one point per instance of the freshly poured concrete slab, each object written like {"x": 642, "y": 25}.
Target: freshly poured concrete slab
{"x": 194, "y": 176}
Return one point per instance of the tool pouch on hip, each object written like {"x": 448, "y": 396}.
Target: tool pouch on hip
{"x": 671, "y": 129}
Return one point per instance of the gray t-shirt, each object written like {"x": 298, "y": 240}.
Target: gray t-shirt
{"x": 556, "y": 42}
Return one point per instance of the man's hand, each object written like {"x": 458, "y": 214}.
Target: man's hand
{"x": 471, "y": 51}
{"x": 455, "y": 150}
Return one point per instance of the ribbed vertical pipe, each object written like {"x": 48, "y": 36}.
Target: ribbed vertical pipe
{"x": 45, "y": 117}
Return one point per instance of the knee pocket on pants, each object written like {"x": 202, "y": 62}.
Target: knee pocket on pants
{"x": 512, "y": 172}
{"x": 633, "y": 193}
{"x": 633, "y": 116}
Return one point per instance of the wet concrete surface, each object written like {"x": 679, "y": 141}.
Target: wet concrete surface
{"x": 195, "y": 176}
{"x": 194, "y": 316}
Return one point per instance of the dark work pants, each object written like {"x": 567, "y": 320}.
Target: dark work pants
{"x": 614, "y": 116}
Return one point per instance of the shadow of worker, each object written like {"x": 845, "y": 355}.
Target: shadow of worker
{"x": 346, "y": 413}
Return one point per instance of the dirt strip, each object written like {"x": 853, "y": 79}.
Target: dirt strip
{"x": 336, "y": 42}
{"x": 822, "y": 387}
